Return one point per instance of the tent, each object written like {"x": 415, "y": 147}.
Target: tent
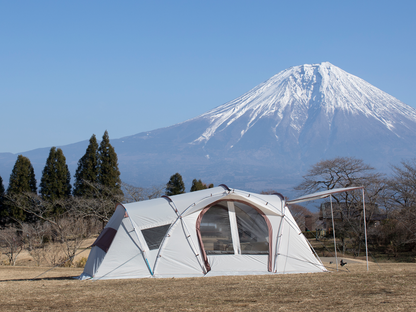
{"x": 211, "y": 232}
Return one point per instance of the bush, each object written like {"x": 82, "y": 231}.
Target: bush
{"x": 81, "y": 262}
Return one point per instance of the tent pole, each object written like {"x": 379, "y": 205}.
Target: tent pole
{"x": 333, "y": 231}
{"x": 365, "y": 232}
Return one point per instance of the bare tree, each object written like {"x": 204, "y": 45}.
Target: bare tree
{"x": 69, "y": 227}
{"x": 11, "y": 241}
{"x": 344, "y": 172}
{"x": 36, "y": 235}
{"x": 402, "y": 199}
{"x": 99, "y": 203}
{"x": 134, "y": 193}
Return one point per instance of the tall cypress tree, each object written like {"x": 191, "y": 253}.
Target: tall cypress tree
{"x": 22, "y": 180}
{"x": 109, "y": 175}
{"x": 56, "y": 179}
{"x": 87, "y": 170}
{"x": 175, "y": 185}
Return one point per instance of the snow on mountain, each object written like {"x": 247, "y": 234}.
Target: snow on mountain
{"x": 297, "y": 91}
{"x": 268, "y": 137}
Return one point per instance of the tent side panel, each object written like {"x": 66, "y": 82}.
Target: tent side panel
{"x": 295, "y": 255}
{"x": 93, "y": 263}
{"x": 176, "y": 257}
{"x": 103, "y": 243}
{"x": 124, "y": 259}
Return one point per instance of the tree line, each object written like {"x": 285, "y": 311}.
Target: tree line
{"x": 68, "y": 214}
{"x": 97, "y": 172}
{"x": 59, "y": 214}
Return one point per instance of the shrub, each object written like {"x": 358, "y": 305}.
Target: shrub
{"x": 81, "y": 262}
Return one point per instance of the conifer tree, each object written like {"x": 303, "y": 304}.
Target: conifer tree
{"x": 87, "y": 170}
{"x": 22, "y": 180}
{"x": 108, "y": 173}
{"x": 199, "y": 185}
{"x": 56, "y": 179}
{"x": 175, "y": 185}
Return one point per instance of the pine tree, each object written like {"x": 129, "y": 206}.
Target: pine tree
{"x": 87, "y": 170}
{"x": 175, "y": 185}
{"x": 22, "y": 180}
{"x": 56, "y": 179}
{"x": 199, "y": 185}
{"x": 108, "y": 173}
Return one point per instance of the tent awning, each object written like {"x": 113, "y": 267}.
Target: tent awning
{"x": 322, "y": 194}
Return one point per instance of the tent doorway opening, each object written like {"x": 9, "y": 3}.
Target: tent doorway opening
{"x": 236, "y": 228}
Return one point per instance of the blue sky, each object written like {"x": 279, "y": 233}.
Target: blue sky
{"x": 69, "y": 69}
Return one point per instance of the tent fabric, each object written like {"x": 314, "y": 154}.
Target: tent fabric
{"x": 205, "y": 233}
{"x": 323, "y": 194}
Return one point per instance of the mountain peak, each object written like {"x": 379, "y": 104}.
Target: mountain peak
{"x": 297, "y": 94}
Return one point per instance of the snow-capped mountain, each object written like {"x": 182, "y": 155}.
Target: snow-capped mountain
{"x": 293, "y": 97}
{"x": 268, "y": 137}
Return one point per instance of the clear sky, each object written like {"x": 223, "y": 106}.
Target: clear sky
{"x": 69, "y": 69}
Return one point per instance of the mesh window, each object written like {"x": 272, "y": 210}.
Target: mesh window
{"x": 216, "y": 231}
{"x": 252, "y": 230}
{"x": 154, "y": 236}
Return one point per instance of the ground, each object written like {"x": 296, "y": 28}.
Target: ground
{"x": 385, "y": 287}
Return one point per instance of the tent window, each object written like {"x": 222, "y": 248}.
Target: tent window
{"x": 216, "y": 231}
{"x": 154, "y": 236}
{"x": 252, "y": 230}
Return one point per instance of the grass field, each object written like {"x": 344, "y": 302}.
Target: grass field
{"x": 386, "y": 287}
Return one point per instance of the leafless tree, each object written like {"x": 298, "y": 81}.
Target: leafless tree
{"x": 99, "y": 204}
{"x": 344, "y": 172}
{"x": 36, "y": 235}
{"x": 134, "y": 193}
{"x": 401, "y": 224}
{"x": 68, "y": 224}
{"x": 11, "y": 241}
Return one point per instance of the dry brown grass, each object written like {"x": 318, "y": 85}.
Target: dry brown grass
{"x": 387, "y": 287}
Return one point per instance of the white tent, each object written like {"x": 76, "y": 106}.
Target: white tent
{"x": 211, "y": 232}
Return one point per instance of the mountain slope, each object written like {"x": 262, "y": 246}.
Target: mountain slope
{"x": 269, "y": 136}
